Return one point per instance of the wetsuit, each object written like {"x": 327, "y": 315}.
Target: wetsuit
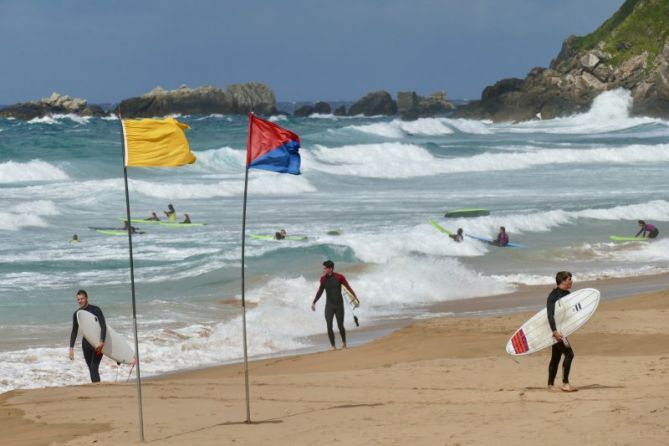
{"x": 502, "y": 239}
{"x": 649, "y": 229}
{"x": 92, "y": 359}
{"x": 559, "y": 348}
{"x": 334, "y": 303}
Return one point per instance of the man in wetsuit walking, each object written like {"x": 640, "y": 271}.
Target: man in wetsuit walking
{"x": 561, "y": 347}
{"x": 331, "y": 283}
{"x": 92, "y": 355}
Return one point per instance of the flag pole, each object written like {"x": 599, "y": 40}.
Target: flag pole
{"x": 132, "y": 281}
{"x": 246, "y": 359}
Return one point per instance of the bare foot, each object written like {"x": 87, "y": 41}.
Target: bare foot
{"x": 568, "y": 388}
{"x": 344, "y": 346}
{"x": 553, "y": 389}
{"x": 333, "y": 348}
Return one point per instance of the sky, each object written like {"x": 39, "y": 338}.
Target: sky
{"x": 304, "y": 50}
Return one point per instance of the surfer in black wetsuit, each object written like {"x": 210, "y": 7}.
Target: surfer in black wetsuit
{"x": 92, "y": 355}
{"x": 561, "y": 347}
{"x": 331, "y": 283}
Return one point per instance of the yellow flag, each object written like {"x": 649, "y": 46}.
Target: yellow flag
{"x": 156, "y": 143}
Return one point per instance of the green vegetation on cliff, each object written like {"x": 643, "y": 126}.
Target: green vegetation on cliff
{"x": 638, "y": 26}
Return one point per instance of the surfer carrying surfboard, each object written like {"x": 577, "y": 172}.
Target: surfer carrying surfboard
{"x": 331, "y": 283}
{"x": 563, "y": 279}
{"x": 92, "y": 355}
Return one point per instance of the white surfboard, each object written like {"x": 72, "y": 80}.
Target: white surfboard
{"x": 571, "y": 313}
{"x": 116, "y": 347}
{"x": 352, "y": 300}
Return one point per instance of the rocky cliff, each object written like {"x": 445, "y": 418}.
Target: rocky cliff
{"x": 630, "y": 50}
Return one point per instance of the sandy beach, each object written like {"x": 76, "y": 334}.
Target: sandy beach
{"x": 444, "y": 381}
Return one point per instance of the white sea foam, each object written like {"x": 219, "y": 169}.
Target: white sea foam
{"x": 610, "y": 112}
{"x": 35, "y": 170}
{"x": 399, "y": 129}
{"x": 398, "y": 160}
{"x": 27, "y": 214}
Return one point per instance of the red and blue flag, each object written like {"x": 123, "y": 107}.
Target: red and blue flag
{"x": 271, "y": 147}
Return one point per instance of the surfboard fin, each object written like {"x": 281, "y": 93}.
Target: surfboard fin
{"x": 355, "y": 319}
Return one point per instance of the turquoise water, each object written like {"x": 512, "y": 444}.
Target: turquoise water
{"x": 560, "y": 186}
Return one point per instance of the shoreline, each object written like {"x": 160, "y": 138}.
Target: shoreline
{"x": 396, "y": 389}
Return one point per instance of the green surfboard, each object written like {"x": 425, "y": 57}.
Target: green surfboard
{"x": 466, "y": 213}
{"x": 622, "y": 238}
{"x": 439, "y": 228}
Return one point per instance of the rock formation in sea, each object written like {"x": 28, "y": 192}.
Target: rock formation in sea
{"x": 53, "y": 105}
{"x": 237, "y": 99}
{"x": 411, "y": 106}
{"x": 630, "y": 50}
{"x": 374, "y": 104}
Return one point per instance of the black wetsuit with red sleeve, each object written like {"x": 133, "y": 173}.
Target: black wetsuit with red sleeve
{"x": 334, "y": 303}
{"x": 92, "y": 359}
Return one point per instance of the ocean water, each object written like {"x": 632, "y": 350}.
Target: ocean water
{"x": 560, "y": 186}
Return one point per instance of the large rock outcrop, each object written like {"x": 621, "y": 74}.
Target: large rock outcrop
{"x": 411, "y": 106}
{"x": 374, "y": 104}
{"x": 238, "y": 99}
{"x": 53, "y": 105}
{"x": 630, "y": 50}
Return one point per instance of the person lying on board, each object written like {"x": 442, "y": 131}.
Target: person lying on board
{"x": 647, "y": 230}
{"x": 133, "y": 230}
{"x": 153, "y": 217}
{"x": 280, "y": 235}
{"x": 186, "y": 219}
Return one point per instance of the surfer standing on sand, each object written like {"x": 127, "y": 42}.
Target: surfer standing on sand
{"x": 331, "y": 283}
{"x": 92, "y": 355}
{"x": 561, "y": 347}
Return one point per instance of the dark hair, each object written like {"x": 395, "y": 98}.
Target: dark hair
{"x": 82, "y": 292}
{"x": 561, "y": 276}
{"x": 328, "y": 264}
{"x": 641, "y": 222}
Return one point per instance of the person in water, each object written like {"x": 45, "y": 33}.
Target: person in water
{"x": 75, "y": 239}
{"x": 647, "y": 230}
{"x": 331, "y": 283}
{"x": 133, "y": 230}
{"x": 153, "y": 217}
{"x": 186, "y": 219}
{"x": 92, "y": 354}
{"x": 502, "y": 238}
{"x": 458, "y": 236}
{"x": 564, "y": 282}
{"x": 280, "y": 235}
{"x": 171, "y": 213}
